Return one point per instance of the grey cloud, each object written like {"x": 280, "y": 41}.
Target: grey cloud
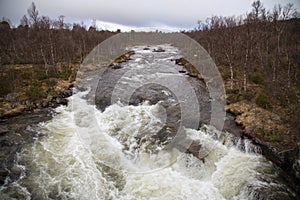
{"x": 177, "y": 13}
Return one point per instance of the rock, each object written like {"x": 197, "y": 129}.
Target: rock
{"x": 12, "y": 97}
{"x": 14, "y": 105}
{"x": 296, "y": 167}
{"x": 3, "y": 130}
{"x": 28, "y": 103}
{"x": 116, "y": 66}
{"x": 64, "y": 101}
{"x": 192, "y": 71}
{"x": 45, "y": 104}
{"x": 38, "y": 105}
{"x": 58, "y": 100}
{"x": 67, "y": 93}
{"x": 275, "y": 192}
{"x": 3, "y": 174}
{"x": 49, "y": 98}
{"x": 159, "y": 50}
{"x": 123, "y": 58}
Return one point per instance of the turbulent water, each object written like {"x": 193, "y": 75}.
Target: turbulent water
{"x": 83, "y": 153}
{"x": 73, "y": 158}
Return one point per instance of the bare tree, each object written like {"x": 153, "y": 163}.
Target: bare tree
{"x": 33, "y": 14}
{"x": 61, "y": 22}
{"x": 24, "y": 21}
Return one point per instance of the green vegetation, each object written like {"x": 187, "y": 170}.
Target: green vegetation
{"x": 5, "y": 86}
{"x": 35, "y": 90}
{"x": 263, "y": 101}
{"x": 256, "y": 78}
{"x": 269, "y": 136}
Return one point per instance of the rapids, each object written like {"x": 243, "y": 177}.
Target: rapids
{"x": 83, "y": 153}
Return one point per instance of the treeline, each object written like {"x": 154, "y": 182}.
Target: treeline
{"x": 264, "y": 42}
{"x": 41, "y": 40}
{"x": 258, "y": 56}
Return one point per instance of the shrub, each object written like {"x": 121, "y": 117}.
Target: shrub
{"x": 65, "y": 74}
{"x": 51, "y": 82}
{"x": 255, "y": 78}
{"x": 41, "y": 75}
{"x": 233, "y": 95}
{"x": 35, "y": 91}
{"x": 248, "y": 95}
{"x": 5, "y": 86}
{"x": 263, "y": 101}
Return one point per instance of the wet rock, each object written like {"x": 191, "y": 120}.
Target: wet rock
{"x": 45, "y": 104}
{"x": 192, "y": 71}
{"x": 116, "y": 66}
{"x": 14, "y": 135}
{"x": 123, "y": 58}
{"x": 159, "y": 49}
{"x": 67, "y": 93}
{"x": 296, "y": 168}
{"x": 3, "y": 130}
{"x": 274, "y": 192}
{"x": 64, "y": 102}
{"x": 58, "y": 100}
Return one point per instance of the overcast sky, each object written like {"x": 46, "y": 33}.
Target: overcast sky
{"x": 174, "y": 14}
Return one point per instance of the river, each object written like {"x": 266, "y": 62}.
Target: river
{"x": 84, "y": 153}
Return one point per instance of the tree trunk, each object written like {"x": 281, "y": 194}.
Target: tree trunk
{"x": 231, "y": 71}
{"x": 45, "y": 61}
{"x": 289, "y": 71}
{"x": 245, "y": 71}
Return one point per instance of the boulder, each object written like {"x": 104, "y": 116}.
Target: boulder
{"x": 12, "y": 97}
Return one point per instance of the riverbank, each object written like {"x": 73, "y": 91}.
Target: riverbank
{"x": 26, "y": 88}
{"x": 279, "y": 142}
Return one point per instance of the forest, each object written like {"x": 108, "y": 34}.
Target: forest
{"x": 257, "y": 55}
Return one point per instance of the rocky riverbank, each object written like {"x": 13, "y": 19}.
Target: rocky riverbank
{"x": 270, "y": 133}
{"x": 266, "y": 129}
{"x": 23, "y": 109}
{"x": 13, "y": 104}
{"x": 16, "y": 130}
